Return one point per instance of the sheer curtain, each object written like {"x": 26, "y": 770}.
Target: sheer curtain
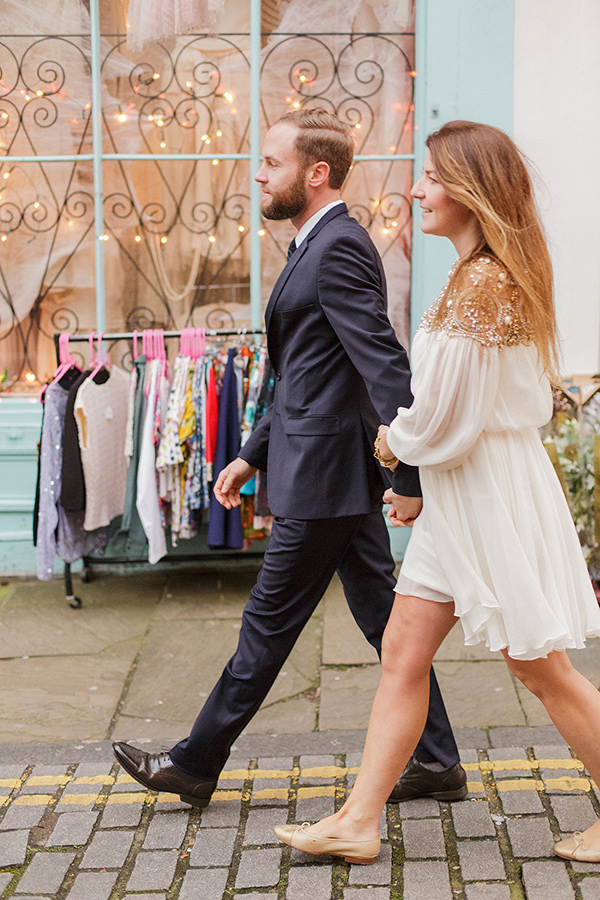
{"x": 177, "y": 232}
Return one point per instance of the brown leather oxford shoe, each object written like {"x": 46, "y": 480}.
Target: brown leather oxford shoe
{"x": 157, "y": 772}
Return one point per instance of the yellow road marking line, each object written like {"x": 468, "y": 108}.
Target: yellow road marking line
{"x": 33, "y": 800}
{"x": 37, "y": 780}
{"x": 270, "y": 794}
{"x": 95, "y": 779}
{"x": 565, "y": 783}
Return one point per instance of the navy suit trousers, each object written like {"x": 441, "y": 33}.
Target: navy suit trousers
{"x": 301, "y": 559}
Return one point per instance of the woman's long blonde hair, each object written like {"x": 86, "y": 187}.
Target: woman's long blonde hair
{"x": 480, "y": 167}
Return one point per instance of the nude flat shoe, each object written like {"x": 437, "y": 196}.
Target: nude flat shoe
{"x": 576, "y": 848}
{"x": 364, "y": 853}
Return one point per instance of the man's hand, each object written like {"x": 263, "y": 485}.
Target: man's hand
{"x": 230, "y": 480}
{"x": 404, "y": 510}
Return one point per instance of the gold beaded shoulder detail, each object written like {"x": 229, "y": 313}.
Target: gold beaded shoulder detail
{"x": 482, "y": 304}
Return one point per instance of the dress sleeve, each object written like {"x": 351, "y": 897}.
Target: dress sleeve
{"x": 456, "y": 382}
{"x": 454, "y": 395}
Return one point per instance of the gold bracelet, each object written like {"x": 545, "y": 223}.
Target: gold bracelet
{"x": 388, "y": 462}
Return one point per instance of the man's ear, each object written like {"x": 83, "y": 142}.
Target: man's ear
{"x": 319, "y": 174}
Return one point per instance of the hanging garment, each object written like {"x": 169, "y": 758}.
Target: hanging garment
{"x": 59, "y": 532}
{"x": 136, "y": 543}
{"x": 255, "y": 377}
{"x": 212, "y": 419}
{"x": 101, "y": 414}
{"x": 147, "y": 494}
{"x": 225, "y": 525}
{"x": 73, "y": 481}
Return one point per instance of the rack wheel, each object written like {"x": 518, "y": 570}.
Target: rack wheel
{"x": 86, "y": 575}
{"x": 74, "y": 602}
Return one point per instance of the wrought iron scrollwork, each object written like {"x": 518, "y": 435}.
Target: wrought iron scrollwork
{"x": 177, "y": 231}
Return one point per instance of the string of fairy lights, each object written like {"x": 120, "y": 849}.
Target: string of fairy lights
{"x": 159, "y": 112}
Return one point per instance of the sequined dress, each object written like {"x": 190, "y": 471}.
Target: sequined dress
{"x": 495, "y": 534}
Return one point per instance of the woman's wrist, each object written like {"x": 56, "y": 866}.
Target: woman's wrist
{"x": 382, "y": 453}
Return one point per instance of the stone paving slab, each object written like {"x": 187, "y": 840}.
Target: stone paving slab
{"x": 113, "y": 841}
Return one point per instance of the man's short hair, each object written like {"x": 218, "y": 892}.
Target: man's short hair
{"x": 323, "y": 137}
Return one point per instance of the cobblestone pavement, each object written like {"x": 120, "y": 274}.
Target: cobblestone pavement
{"x": 86, "y": 831}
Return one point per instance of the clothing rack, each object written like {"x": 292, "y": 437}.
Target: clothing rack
{"x": 74, "y": 601}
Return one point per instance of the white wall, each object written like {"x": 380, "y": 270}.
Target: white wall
{"x": 557, "y": 124}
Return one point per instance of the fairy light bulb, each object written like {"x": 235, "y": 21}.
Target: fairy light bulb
{"x": 385, "y": 230}
{"x": 241, "y": 228}
{"x": 160, "y": 123}
{"x": 39, "y": 94}
{"x": 228, "y": 97}
{"x": 3, "y": 238}
{"x": 261, "y": 232}
{"x": 219, "y": 134}
{"x": 234, "y": 110}
{"x": 138, "y": 238}
{"x": 122, "y": 117}
{"x": 163, "y": 144}
{"x": 394, "y": 224}
{"x": 30, "y": 377}
{"x": 6, "y": 175}
{"x": 296, "y": 105}
{"x": 36, "y": 205}
{"x": 212, "y": 238}
{"x": 151, "y": 118}
{"x": 156, "y": 76}
{"x": 164, "y": 239}
{"x": 215, "y": 162}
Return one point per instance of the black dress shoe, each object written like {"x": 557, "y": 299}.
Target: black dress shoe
{"x": 157, "y": 772}
{"x": 419, "y": 781}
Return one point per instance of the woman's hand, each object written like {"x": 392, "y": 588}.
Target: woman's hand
{"x": 403, "y": 510}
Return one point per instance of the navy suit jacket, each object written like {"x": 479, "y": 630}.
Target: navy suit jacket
{"x": 340, "y": 371}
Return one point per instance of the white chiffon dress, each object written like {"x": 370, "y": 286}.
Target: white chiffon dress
{"x": 495, "y": 535}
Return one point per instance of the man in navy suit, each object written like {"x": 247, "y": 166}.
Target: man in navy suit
{"x": 340, "y": 371}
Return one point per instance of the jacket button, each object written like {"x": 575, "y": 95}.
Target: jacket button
{"x": 278, "y": 376}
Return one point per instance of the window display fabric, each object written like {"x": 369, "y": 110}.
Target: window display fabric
{"x": 495, "y": 534}
{"x": 59, "y": 532}
{"x": 101, "y": 414}
{"x": 152, "y": 20}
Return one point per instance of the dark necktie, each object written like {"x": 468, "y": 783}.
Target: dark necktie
{"x": 292, "y": 247}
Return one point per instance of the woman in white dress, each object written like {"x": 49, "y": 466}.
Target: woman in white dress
{"x": 494, "y": 545}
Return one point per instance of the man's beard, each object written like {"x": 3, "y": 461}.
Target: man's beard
{"x": 290, "y": 202}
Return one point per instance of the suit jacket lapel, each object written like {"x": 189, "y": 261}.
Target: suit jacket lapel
{"x": 340, "y": 209}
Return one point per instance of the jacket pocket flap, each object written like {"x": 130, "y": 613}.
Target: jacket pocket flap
{"x": 312, "y": 425}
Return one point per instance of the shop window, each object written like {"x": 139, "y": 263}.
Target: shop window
{"x": 166, "y": 183}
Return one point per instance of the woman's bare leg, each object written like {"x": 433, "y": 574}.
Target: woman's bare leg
{"x": 573, "y": 704}
{"x": 415, "y": 630}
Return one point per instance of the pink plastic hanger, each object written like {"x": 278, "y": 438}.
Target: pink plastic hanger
{"x": 100, "y": 361}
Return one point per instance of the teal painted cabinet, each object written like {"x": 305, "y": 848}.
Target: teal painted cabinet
{"x": 20, "y": 426}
